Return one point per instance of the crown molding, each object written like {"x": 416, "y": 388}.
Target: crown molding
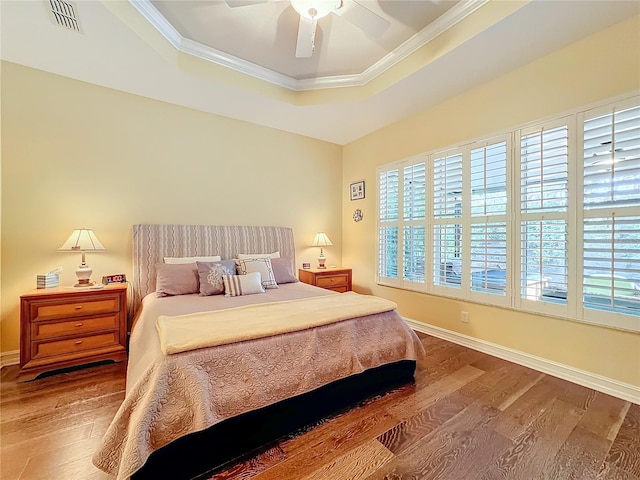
{"x": 450, "y": 18}
{"x": 190, "y": 47}
{"x": 443, "y": 23}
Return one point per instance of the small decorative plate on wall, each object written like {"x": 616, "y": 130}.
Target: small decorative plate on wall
{"x": 357, "y": 215}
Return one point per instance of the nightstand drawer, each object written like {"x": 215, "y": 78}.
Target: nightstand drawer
{"x": 70, "y": 345}
{"x": 327, "y": 281}
{"x": 339, "y": 289}
{"x": 41, "y": 311}
{"x": 70, "y": 327}
{"x": 336, "y": 279}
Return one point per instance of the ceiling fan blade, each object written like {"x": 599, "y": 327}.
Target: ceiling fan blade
{"x": 244, "y": 3}
{"x": 306, "y": 37}
{"x": 369, "y": 22}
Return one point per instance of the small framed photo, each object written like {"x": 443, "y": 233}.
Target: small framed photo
{"x": 306, "y": 266}
{"x": 357, "y": 190}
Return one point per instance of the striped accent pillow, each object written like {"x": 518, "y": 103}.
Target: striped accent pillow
{"x": 236, "y": 285}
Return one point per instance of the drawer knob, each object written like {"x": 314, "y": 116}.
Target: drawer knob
{"x": 78, "y": 307}
{"x": 79, "y": 342}
{"x": 79, "y": 324}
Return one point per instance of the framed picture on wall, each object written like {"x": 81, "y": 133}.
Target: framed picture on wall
{"x": 357, "y": 190}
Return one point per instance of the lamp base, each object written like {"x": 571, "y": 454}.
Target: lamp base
{"x": 83, "y": 272}
{"x": 321, "y": 262}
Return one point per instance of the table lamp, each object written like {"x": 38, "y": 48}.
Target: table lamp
{"x": 321, "y": 240}
{"x": 82, "y": 240}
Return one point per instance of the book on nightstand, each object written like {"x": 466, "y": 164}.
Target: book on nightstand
{"x": 48, "y": 280}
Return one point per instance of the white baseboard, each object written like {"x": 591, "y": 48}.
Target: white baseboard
{"x": 587, "y": 379}
{"x": 9, "y": 358}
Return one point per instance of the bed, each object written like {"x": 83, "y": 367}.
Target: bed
{"x": 189, "y": 411}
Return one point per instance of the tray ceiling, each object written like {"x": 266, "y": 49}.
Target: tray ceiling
{"x": 263, "y": 36}
{"x": 240, "y": 63}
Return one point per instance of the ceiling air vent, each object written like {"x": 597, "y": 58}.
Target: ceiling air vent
{"x": 65, "y": 14}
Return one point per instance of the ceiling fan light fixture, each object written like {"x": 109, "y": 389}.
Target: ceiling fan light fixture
{"x": 315, "y": 9}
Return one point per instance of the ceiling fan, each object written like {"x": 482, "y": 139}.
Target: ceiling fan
{"x": 311, "y": 11}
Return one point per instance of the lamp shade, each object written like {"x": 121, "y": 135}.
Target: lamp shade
{"x": 82, "y": 240}
{"x": 321, "y": 240}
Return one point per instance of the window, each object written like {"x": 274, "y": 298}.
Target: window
{"x": 545, "y": 218}
{"x": 488, "y": 220}
{"x": 447, "y": 212}
{"x": 402, "y": 210}
{"x": 388, "y": 207}
{"x": 544, "y": 203}
{"x": 413, "y": 238}
{"x": 611, "y": 216}
{"x": 489, "y": 257}
{"x": 612, "y": 264}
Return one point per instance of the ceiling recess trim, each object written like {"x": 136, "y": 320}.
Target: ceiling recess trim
{"x": 186, "y": 45}
{"x": 450, "y": 18}
{"x": 443, "y": 23}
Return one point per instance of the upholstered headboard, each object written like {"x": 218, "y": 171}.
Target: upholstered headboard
{"x": 151, "y": 243}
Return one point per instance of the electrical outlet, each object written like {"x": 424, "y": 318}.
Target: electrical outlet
{"x": 464, "y": 317}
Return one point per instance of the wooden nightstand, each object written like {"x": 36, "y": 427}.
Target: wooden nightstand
{"x": 63, "y": 327}
{"x": 336, "y": 279}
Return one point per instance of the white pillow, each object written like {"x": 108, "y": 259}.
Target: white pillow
{"x": 258, "y": 255}
{"x": 214, "y": 258}
{"x": 260, "y": 265}
{"x": 235, "y": 285}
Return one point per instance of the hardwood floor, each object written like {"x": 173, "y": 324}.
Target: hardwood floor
{"x": 468, "y": 416}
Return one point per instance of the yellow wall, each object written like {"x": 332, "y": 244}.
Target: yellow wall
{"x": 599, "y": 67}
{"x": 76, "y": 154}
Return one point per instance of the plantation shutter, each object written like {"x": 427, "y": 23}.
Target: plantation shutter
{"x": 447, "y": 186}
{"x": 544, "y": 182}
{"x": 447, "y": 214}
{"x": 415, "y": 194}
{"x": 544, "y": 170}
{"x": 612, "y": 159}
{"x": 388, "y": 194}
{"x": 489, "y": 257}
{"x": 488, "y": 233}
{"x": 612, "y": 264}
{"x": 446, "y": 242}
{"x": 489, "y": 180}
{"x": 388, "y": 210}
{"x": 611, "y": 248}
{"x": 414, "y": 238}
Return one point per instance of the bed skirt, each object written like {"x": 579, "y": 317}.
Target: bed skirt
{"x": 200, "y": 454}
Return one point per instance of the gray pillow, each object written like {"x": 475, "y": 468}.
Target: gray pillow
{"x": 283, "y": 271}
{"x": 210, "y": 275}
{"x": 176, "y": 279}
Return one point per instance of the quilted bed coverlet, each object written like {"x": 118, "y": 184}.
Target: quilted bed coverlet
{"x": 169, "y": 396}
